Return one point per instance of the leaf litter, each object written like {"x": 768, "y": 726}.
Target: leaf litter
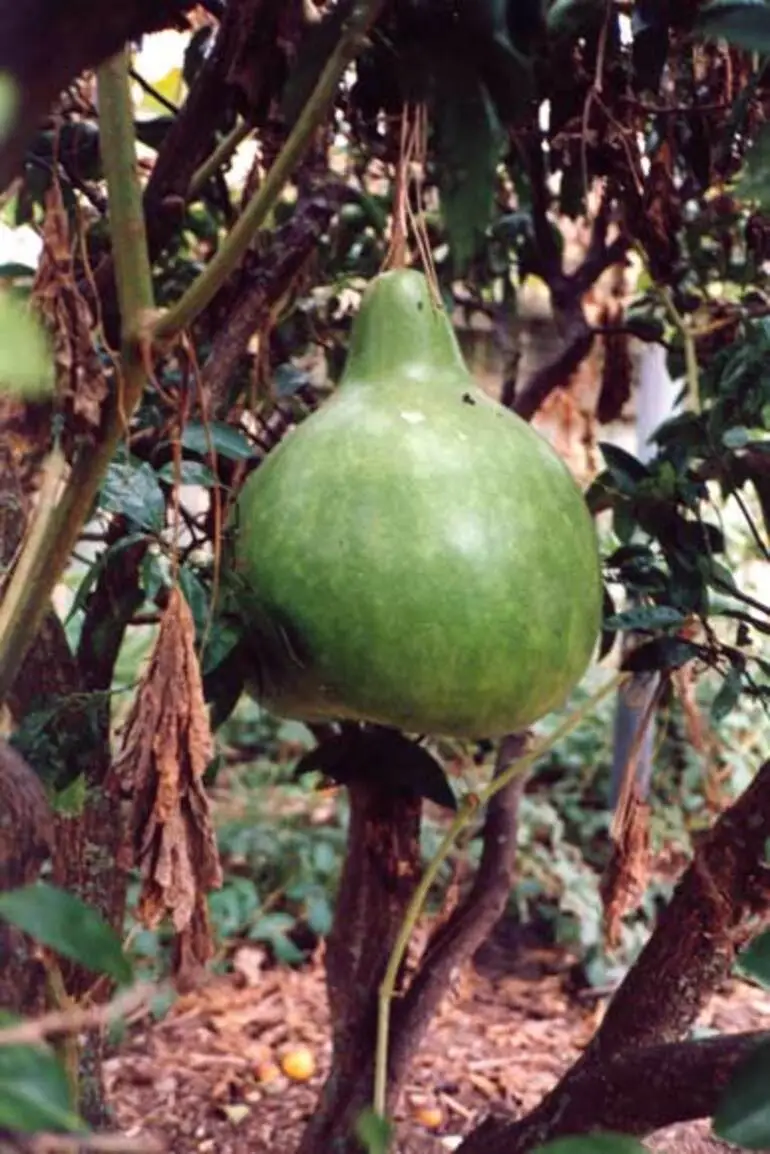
{"x": 504, "y": 1036}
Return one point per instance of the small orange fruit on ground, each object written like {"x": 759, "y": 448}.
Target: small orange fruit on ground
{"x": 428, "y": 1116}
{"x": 266, "y": 1072}
{"x": 298, "y": 1064}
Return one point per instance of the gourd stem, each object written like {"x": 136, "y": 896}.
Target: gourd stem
{"x": 468, "y": 807}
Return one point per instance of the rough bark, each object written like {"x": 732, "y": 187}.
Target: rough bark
{"x": 85, "y": 845}
{"x": 381, "y": 870}
{"x": 382, "y": 866}
{"x": 469, "y": 926}
{"x": 681, "y": 1081}
{"x": 45, "y": 44}
{"x": 567, "y": 292}
{"x": 290, "y": 248}
{"x": 244, "y": 72}
{"x": 718, "y": 906}
{"x": 26, "y": 836}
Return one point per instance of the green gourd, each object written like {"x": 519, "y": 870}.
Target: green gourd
{"x": 414, "y": 554}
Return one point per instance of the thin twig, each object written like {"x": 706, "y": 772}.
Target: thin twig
{"x": 98, "y": 1143}
{"x": 59, "y": 1023}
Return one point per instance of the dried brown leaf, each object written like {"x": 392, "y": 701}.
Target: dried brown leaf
{"x": 628, "y": 871}
{"x": 166, "y": 747}
{"x": 81, "y": 384}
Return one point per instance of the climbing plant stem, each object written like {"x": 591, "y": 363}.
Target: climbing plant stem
{"x": 46, "y": 553}
{"x": 468, "y": 808}
{"x": 233, "y": 248}
{"x": 692, "y": 375}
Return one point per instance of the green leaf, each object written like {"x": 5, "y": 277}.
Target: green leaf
{"x": 26, "y": 361}
{"x": 593, "y": 1144}
{"x": 196, "y": 595}
{"x": 469, "y": 140}
{"x": 223, "y": 439}
{"x": 568, "y": 17}
{"x": 13, "y": 270}
{"x": 745, "y": 23}
{"x": 482, "y": 32}
{"x": 273, "y": 929}
{"x": 755, "y": 959}
{"x": 190, "y": 473}
{"x": 625, "y": 469}
{"x": 373, "y": 1132}
{"x": 34, "y": 1092}
{"x": 9, "y": 103}
{"x": 95, "y": 570}
{"x": 133, "y": 491}
{"x": 319, "y": 915}
{"x": 66, "y": 924}
{"x": 287, "y": 379}
{"x": 743, "y": 1116}
{"x": 728, "y": 695}
{"x": 646, "y": 617}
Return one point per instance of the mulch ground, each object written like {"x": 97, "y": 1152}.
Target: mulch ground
{"x": 205, "y": 1078}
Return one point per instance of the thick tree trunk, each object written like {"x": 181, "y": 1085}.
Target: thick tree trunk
{"x": 26, "y": 836}
{"x": 84, "y": 846}
{"x": 382, "y": 868}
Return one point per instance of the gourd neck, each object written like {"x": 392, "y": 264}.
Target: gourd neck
{"x": 400, "y": 332}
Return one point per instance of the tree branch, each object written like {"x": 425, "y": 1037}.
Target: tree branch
{"x": 26, "y": 837}
{"x": 714, "y": 912}
{"x": 693, "y": 947}
{"x": 556, "y": 373}
{"x": 290, "y": 248}
{"x": 638, "y": 1093}
{"x": 567, "y": 291}
{"x": 381, "y": 870}
{"x": 230, "y": 254}
{"x": 45, "y": 44}
{"x": 471, "y": 923}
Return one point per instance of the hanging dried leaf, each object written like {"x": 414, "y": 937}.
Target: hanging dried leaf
{"x": 166, "y": 748}
{"x": 627, "y": 874}
{"x": 80, "y": 381}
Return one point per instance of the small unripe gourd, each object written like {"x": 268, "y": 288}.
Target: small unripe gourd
{"x": 414, "y": 554}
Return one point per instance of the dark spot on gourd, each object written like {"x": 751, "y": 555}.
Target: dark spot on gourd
{"x": 419, "y": 306}
{"x": 468, "y": 399}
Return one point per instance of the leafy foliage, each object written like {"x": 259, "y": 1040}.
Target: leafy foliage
{"x": 67, "y": 925}
{"x": 593, "y": 1144}
{"x": 34, "y": 1091}
{"x": 683, "y": 170}
{"x": 743, "y": 1116}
